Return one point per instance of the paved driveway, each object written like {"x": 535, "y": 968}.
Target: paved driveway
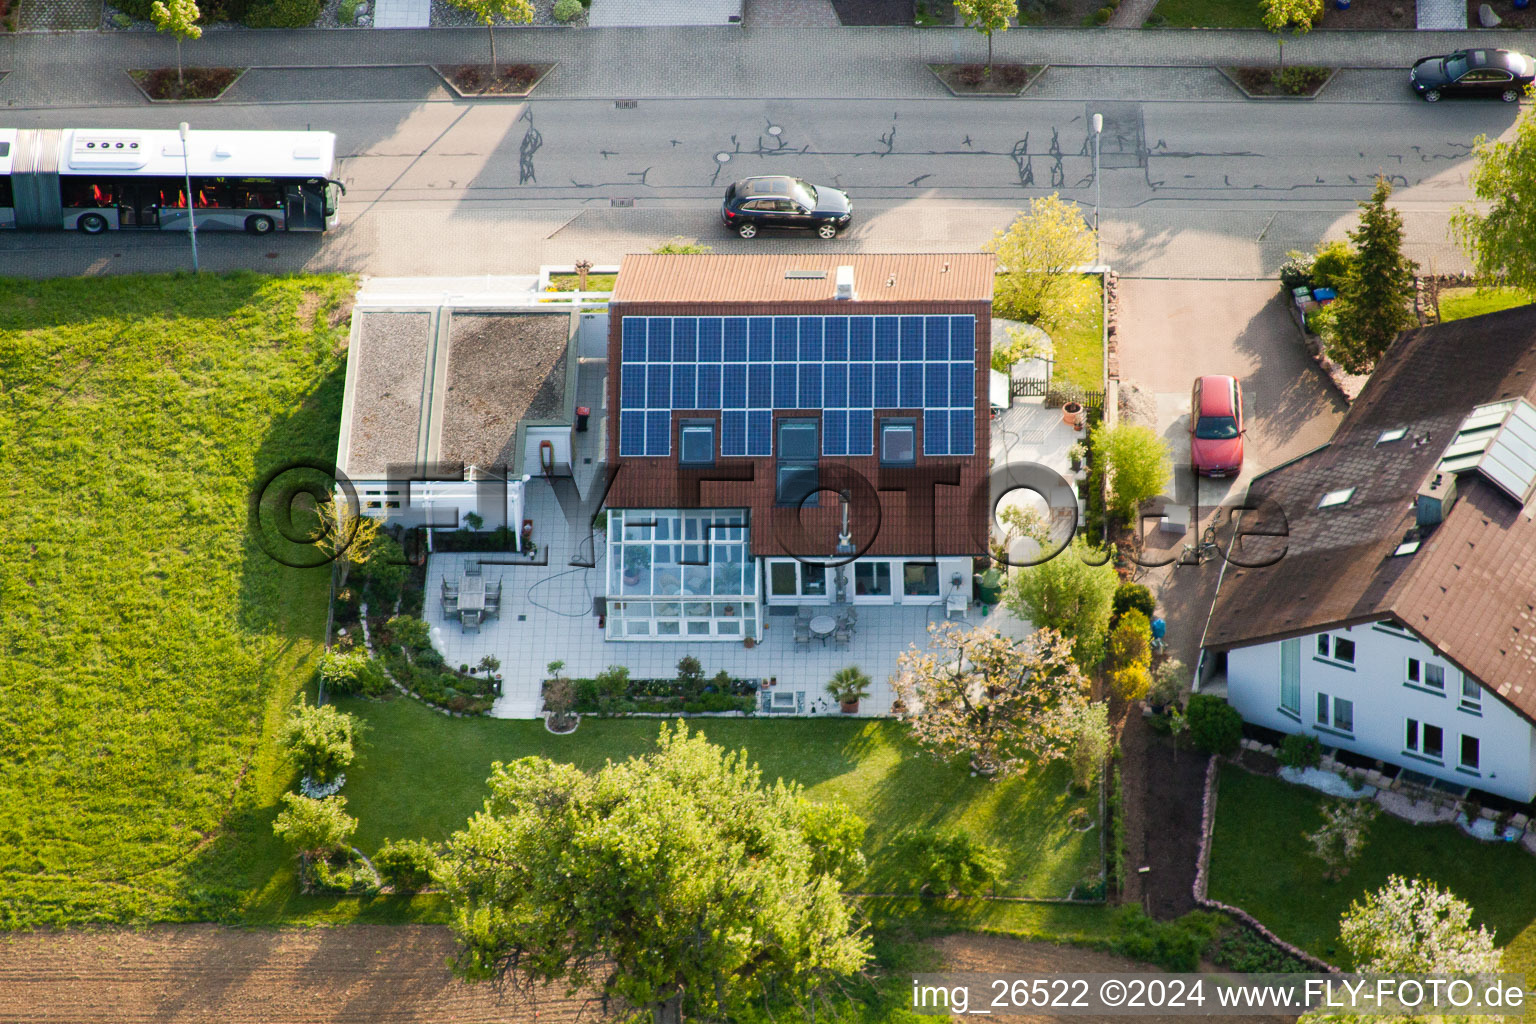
{"x": 1174, "y": 331}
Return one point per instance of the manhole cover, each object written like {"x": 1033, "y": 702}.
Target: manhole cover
{"x": 626, "y": 104}
{"x": 621, "y": 202}
{"x": 724, "y": 158}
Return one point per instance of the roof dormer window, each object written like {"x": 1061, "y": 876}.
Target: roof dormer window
{"x": 1333, "y": 498}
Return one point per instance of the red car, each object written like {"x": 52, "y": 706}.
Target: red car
{"x": 1216, "y": 426}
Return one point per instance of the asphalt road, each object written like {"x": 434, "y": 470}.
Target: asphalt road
{"x": 1191, "y": 189}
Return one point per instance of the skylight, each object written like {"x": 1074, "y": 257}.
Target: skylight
{"x": 1392, "y": 435}
{"x": 1333, "y": 498}
{"x": 1407, "y": 547}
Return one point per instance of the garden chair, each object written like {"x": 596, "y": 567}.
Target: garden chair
{"x": 802, "y": 616}
{"x": 802, "y": 637}
{"x": 470, "y": 621}
{"x": 849, "y": 615}
{"x": 450, "y": 607}
{"x": 450, "y": 589}
{"x": 842, "y": 637}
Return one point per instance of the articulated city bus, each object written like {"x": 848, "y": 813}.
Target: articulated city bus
{"x": 92, "y": 179}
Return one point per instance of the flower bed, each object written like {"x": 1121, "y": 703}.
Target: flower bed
{"x": 405, "y": 646}
{"x": 973, "y": 79}
{"x": 508, "y": 80}
{"x": 192, "y": 84}
{"x": 1300, "y": 81}
{"x": 613, "y": 692}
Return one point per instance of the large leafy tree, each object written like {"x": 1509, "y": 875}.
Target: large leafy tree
{"x": 1297, "y": 16}
{"x": 1004, "y": 703}
{"x": 1070, "y": 594}
{"x": 1376, "y": 296}
{"x": 519, "y": 12}
{"x": 1503, "y": 177}
{"x": 674, "y": 883}
{"x": 1040, "y": 255}
{"x": 986, "y": 17}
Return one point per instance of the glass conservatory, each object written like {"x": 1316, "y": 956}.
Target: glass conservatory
{"x": 681, "y": 575}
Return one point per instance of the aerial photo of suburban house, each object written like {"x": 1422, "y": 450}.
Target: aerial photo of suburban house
{"x": 821, "y": 420}
{"x": 1400, "y": 621}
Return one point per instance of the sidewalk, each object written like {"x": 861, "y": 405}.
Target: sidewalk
{"x": 80, "y": 68}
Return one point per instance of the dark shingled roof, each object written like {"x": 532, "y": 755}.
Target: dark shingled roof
{"x": 1470, "y": 588}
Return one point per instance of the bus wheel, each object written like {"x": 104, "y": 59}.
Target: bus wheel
{"x": 92, "y": 224}
{"x": 259, "y": 225}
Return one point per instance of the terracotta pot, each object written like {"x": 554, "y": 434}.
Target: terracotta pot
{"x": 1072, "y": 414}
{"x": 850, "y": 707}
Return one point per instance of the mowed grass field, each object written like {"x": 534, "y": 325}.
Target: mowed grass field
{"x": 421, "y": 775}
{"x": 148, "y": 646}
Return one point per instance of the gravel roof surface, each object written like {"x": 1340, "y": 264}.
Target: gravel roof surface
{"x": 502, "y": 368}
{"x": 386, "y": 409}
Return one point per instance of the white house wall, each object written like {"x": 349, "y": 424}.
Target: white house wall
{"x": 1383, "y": 702}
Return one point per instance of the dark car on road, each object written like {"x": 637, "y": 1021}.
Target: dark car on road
{"x": 777, "y": 201}
{"x": 1501, "y": 73}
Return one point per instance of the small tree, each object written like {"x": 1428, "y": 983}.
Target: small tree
{"x": 1504, "y": 179}
{"x": 1376, "y": 299}
{"x": 1130, "y": 654}
{"x": 1295, "y": 15}
{"x": 690, "y": 675}
{"x": 1341, "y": 837}
{"x": 1090, "y": 743}
{"x": 1070, "y": 594}
{"x": 344, "y": 533}
{"x": 1414, "y": 926}
{"x": 320, "y": 739}
{"x": 1006, "y": 704}
{"x": 518, "y": 12}
{"x": 1169, "y": 682}
{"x": 949, "y": 862}
{"x": 316, "y": 827}
{"x": 406, "y": 864}
{"x": 1040, "y": 254}
{"x": 1132, "y": 595}
{"x": 179, "y": 18}
{"x": 1137, "y": 463}
{"x": 1214, "y": 725}
{"x": 986, "y": 17}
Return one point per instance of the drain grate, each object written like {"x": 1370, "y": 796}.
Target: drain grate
{"x": 626, "y": 104}
{"x": 621, "y": 202}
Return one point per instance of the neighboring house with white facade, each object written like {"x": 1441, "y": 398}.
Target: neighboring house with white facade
{"x": 1397, "y": 620}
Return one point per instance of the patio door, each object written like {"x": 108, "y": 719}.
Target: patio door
{"x": 872, "y": 582}
{"x": 790, "y": 581}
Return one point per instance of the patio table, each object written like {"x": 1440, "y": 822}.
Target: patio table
{"x": 471, "y": 593}
{"x": 823, "y": 626}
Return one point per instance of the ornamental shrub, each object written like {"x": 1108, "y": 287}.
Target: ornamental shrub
{"x": 282, "y": 13}
{"x": 1296, "y": 270}
{"x": 567, "y": 10}
{"x": 1132, "y": 595}
{"x": 1299, "y": 751}
{"x": 411, "y": 633}
{"x": 949, "y": 862}
{"x": 1332, "y": 265}
{"x": 342, "y": 671}
{"x": 1214, "y": 725}
{"x": 406, "y": 864}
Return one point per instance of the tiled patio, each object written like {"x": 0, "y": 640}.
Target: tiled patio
{"x": 547, "y": 614}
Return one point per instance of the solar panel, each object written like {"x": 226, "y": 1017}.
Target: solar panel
{"x": 847, "y": 366}
{"x": 786, "y": 386}
{"x": 786, "y": 343}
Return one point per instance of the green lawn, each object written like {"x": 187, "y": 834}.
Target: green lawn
{"x": 148, "y": 646}
{"x": 1260, "y": 862}
{"x": 1460, "y": 303}
{"x": 1079, "y": 348}
{"x": 1208, "y": 14}
{"x": 420, "y": 774}
{"x": 595, "y": 282}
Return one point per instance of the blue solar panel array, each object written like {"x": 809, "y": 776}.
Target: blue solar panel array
{"x": 847, "y": 366}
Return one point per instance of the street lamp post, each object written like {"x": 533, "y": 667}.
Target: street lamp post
{"x": 186, "y": 166}
{"x": 1098, "y": 189}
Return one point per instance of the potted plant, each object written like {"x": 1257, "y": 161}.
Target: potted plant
{"x": 1076, "y": 453}
{"x": 849, "y": 686}
{"x": 1072, "y": 414}
{"x": 636, "y": 561}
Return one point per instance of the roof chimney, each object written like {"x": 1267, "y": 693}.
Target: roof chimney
{"x": 845, "y": 283}
{"x": 1435, "y": 499}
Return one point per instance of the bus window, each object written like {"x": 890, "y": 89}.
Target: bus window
{"x": 332, "y": 198}
{"x": 5, "y": 190}
{"x": 87, "y": 193}
{"x": 259, "y": 197}
{"x": 213, "y": 194}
